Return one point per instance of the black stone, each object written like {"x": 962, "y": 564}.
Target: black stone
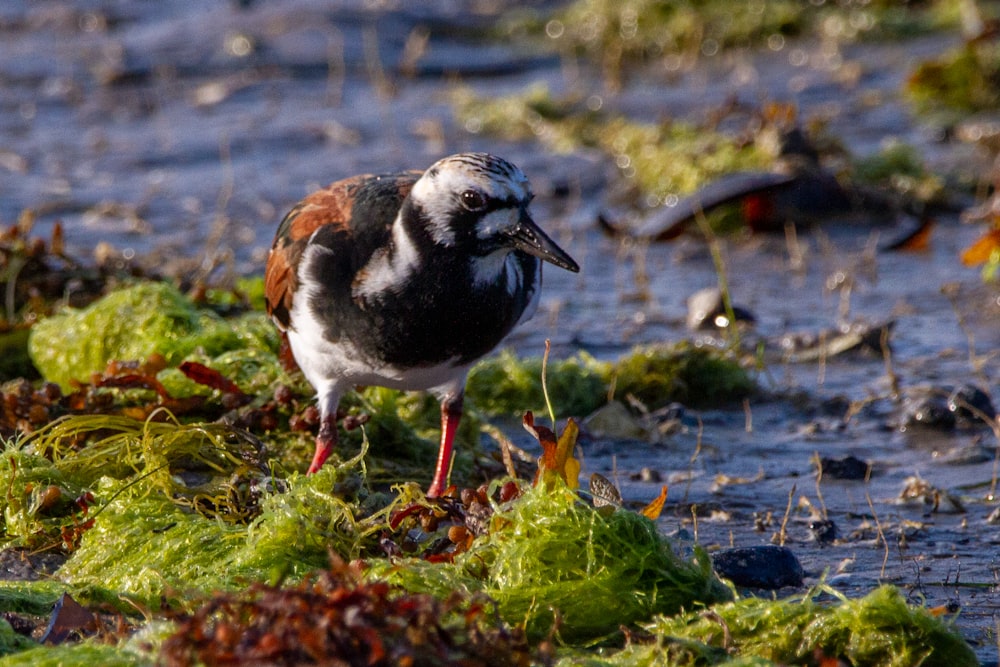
{"x": 849, "y": 467}
{"x": 765, "y": 566}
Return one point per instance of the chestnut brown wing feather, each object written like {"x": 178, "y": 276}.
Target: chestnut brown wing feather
{"x": 329, "y": 206}
{"x": 333, "y": 205}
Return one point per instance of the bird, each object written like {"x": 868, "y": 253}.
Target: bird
{"x": 404, "y": 280}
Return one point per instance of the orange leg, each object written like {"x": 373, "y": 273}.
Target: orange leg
{"x": 326, "y": 441}
{"x": 451, "y": 414}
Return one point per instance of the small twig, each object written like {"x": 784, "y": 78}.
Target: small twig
{"x": 782, "y": 531}
{"x": 883, "y": 342}
{"x": 715, "y": 249}
{"x": 507, "y": 444}
{"x": 819, "y": 479}
{"x": 694, "y": 457}
{"x": 878, "y": 524}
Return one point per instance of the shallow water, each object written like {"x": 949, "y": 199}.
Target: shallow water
{"x": 186, "y": 133}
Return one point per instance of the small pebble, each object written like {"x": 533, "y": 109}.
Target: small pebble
{"x": 824, "y": 531}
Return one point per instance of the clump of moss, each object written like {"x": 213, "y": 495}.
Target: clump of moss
{"x": 964, "y": 80}
{"x": 880, "y": 630}
{"x": 655, "y": 374}
{"x": 509, "y": 385}
{"x": 127, "y": 324}
{"x": 553, "y": 563}
{"x": 551, "y": 557}
{"x": 618, "y": 35}
{"x": 145, "y": 546}
{"x": 695, "y": 376}
{"x": 81, "y": 655}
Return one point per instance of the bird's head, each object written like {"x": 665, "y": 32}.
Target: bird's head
{"x": 479, "y": 203}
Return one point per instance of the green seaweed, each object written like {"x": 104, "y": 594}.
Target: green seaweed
{"x": 695, "y": 376}
{"x": 128, "y": 324}
{"x": 656, "y": 374}
{"x": 155, "y": 535}
{"x": 553, "y": 563}
{"x": 122, "y": 448}
{"x": 620, "y": 34}
{"x": 674, "y": 158}
{"x": 147, "y": 547}
{"x": 84, "y": 654}
{"x": 138, "y": 649}
{"x": 897, "y": 166}
{"x": 880, "y": 630}
{"x": 559, "y": 564}
{"x": 11, "y": 641}
{"x": 506, "y": 384}
{"x": 30, "y": 597}
{"x": 963, "y": 80}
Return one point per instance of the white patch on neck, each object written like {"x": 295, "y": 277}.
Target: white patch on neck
{"x": 390, "y": 267}
{"x": 502, "y": 264}
{"x": 495, "y": 222}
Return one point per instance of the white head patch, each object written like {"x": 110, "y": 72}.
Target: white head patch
{"x": 439, "y": 192}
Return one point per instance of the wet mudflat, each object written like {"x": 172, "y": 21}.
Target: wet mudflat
{"x": 158, "y": 131}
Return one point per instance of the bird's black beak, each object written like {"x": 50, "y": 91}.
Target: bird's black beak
{"x": 529, "y": 237}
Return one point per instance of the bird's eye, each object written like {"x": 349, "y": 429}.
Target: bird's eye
{"x": 474, "y": 200}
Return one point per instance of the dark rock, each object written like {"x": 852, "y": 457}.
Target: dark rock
{"x": 849, "y": 467}
{"x": 971, "y": 405}
{"x": 765, "y": 566}
{"x": 929, "y": 411}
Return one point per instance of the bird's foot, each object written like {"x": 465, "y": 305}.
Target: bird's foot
{"x": 326, "y": 441}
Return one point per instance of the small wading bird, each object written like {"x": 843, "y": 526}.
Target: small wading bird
{"x": 405, "y": 280}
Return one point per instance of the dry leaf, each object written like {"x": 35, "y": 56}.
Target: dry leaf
{"x": 981, "y": 250}
{"x": 653, "y": 509}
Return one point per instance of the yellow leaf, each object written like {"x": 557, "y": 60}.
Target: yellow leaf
{"x": 557, "y": 455}
{"x": 569, "y": 465}
{"x": 982, "y": 248}
{"x": 653, "y": 509}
